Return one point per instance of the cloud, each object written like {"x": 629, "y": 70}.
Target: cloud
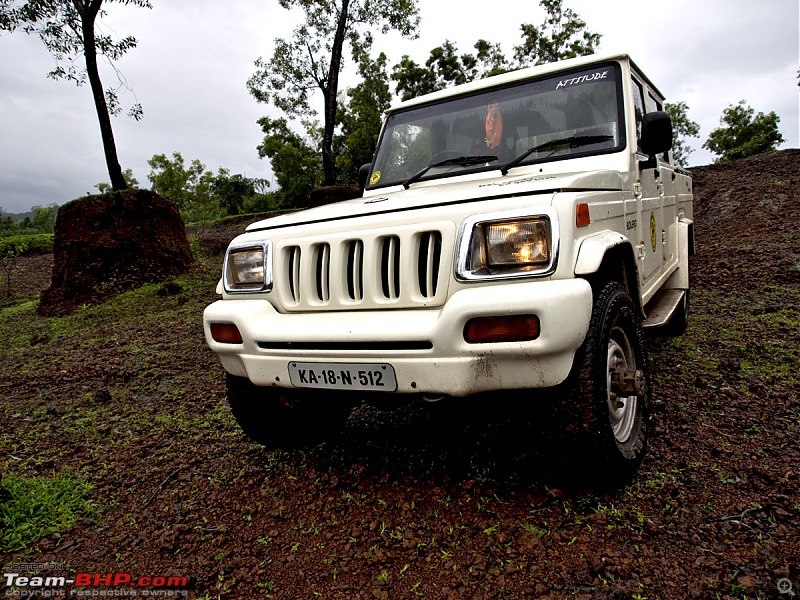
{"x": 191, "y": 65}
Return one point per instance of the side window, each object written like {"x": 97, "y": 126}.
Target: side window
{"x": 638, "y": 106}
{"x": 655, "y": 104}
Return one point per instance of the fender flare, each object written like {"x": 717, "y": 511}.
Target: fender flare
{"x": 593, "y": 250}
{"x": 592, "y": 259}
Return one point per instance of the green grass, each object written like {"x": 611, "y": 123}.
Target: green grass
{"x": 32, "y": 508}
{"x": 128, "y": 349}
{"x": 21, "y": 326}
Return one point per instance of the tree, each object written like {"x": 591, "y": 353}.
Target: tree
{"x": 743, "y": 134}
{"x": 131, "y": 182}
{"x": 201, "y": 195}
{"x": 191, "y": 188}
{"x": 360, "y": 118}
{"x": 561, "y": 35}
{"x": 295, "y": 158}
{"x": 44, "y": 218}
{"x": 682, "y": 127}
{"x": 296, "y": 163}
{"x": 445, "y": 67}
{"x": 67, "y": 29}
{"x": 313, "y": 59}
{"x": 236, "y": 193}
{"x": 412, "y": 80}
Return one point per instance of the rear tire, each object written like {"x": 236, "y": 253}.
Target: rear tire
{"x": 605, "y": 434}
{"x": 286, "y": 418}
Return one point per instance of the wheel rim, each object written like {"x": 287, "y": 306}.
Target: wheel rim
{"x": 621, "y": 410}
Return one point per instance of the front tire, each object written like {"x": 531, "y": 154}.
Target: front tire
{"x": 605, "y": 411}
{"x": 286, "y": 418}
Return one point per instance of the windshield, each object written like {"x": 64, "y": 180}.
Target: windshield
{"x": 561, "y": 116}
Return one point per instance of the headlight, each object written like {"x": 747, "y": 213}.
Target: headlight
{"x": 518, "y": 243}
{"x": 248, "y": 267}
{"x": 507, "y": 245}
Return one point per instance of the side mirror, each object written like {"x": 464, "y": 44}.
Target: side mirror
{"x": 363, "y": 175}
{"x": 656, "y": 133}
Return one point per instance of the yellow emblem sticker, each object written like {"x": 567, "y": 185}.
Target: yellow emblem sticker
{"x": 653, "y": 231}
{"x": 375, "y": 178}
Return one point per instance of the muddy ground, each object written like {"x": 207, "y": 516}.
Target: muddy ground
{"x": 406, "y": 503}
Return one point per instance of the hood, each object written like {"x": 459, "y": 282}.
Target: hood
{"x": 437, "y": 192}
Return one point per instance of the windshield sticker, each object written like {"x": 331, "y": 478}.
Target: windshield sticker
{"x": 582, "y": 79}
{"x": 375, "y": 178}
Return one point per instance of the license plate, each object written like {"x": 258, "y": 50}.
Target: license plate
{"x": 343, "y": 376}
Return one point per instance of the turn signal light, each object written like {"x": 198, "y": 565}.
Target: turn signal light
{"x": 521, "y": 328}
{"x": 226, "y": 333}
{"x": 582, "y": 218}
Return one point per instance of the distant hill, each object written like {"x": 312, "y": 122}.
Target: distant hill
{"x": 17, "y": 217}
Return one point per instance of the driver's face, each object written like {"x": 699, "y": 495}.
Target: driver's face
{"x": 494, "y": 124}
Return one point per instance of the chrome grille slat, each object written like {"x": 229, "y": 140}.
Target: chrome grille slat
{"x": 322, "y": 272}
{"x": 430, "y": 247}
{"x": 355, "y": 270}
{"x": 390, "y": 267}
{"x": 294, "y": 272}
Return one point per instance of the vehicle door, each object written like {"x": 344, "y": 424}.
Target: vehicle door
{"x": 668, "y": 235}
{"x": 649, "y": 193}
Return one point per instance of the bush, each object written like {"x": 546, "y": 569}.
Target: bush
{"x": 26, "y": 245}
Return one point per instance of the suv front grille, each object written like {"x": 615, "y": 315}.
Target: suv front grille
{"x": 371, "y": 271}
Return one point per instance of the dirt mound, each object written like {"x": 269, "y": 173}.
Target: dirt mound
{"x": 745, "y": 213}
{"x": 112, "y": 242}
{"x": 333, "y": 193}
{"x": 213, "y": 239}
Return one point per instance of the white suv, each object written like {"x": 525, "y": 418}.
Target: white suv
{"x": 515, "y": 232}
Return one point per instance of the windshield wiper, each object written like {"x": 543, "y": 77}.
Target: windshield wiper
{"x": 573, "y": 141}
{"x": 461, "y": 161}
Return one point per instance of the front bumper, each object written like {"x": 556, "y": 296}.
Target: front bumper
{"x": 426, "y": 347}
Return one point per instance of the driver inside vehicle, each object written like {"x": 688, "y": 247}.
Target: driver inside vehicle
{"x": 493, "y": 143}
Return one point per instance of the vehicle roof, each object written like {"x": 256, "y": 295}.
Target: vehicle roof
{"x": 523, "y": 74}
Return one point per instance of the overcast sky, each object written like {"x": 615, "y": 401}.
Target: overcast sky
{"x": 193, "y": 59}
